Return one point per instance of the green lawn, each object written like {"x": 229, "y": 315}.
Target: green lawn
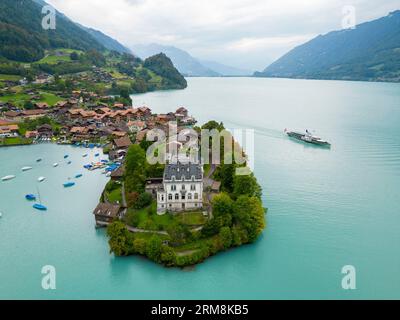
{"x": 18, "y": 98}
{"x": 52, "y": 58}
{"x": 49, "y": 98}
{"x": 9, "y": 77}
{"x": 192, "y": 218}
{"x": 14, "y": 141}
{"x": 148, "y": 218}
{"x": 115, "y": 196}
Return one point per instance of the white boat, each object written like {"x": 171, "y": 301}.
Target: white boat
{"x": 55, "y": 165}
{"x": 26, "y": 168}
{"x": 1, "y": 214}
{"x": 41, "y": 179}
{"x": 6, "y": 178}
{"x": 108, "y": 174}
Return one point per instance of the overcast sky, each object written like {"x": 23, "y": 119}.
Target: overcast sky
{"x": 244, "y": 33}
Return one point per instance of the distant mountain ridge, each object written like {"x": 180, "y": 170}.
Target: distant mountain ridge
{"x": 183, "y": 61}
{"x": 187, "y": 64}
{"x": 370, "y": 52}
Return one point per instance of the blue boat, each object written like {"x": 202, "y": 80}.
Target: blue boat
{"x": 97, "y": 155}
{"x": 78, "y": 176}
{"x": 69, "y": 184}
{"x": 91, "y": 145}
{"x": 39, "y": 160}
{"x": 69, "y": 162}
{"x": 40, "y": 207}
{"x": 30, "y": 197}
{"x": 66, "y": 156}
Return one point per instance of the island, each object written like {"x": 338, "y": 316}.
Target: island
{"x": 179, "y": 213}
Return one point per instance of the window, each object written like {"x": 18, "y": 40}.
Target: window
{"x": 173, "y": 187}
{"x": 189, "y": 196}
{"x": 193, "y": 187}
{"x": 170, "y": 196}
{"x": 162, "y": 197}
{"x": 183, "y": 187}
{"x": 196, "y": 196}
{"x": 183, "y": 197}
{"x": 176, "y": 196}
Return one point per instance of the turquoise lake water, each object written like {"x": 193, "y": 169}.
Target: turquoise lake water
{"x": 327, "y": 208}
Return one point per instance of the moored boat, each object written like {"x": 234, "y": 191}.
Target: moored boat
{"x": 30, "y": 197}
{"x": 41, "y": 179}
{"x": 55, "y": 165}
{"x": 39, "y": 160}
{"x": 39, "y": 207}
{"x": 78, "y": 176}
{"x": 26, "y": 169}
{"x": 7, "y": 178}
{"x": 68, "y": 184}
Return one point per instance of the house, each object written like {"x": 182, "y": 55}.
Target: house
{"x": 41, "y": 105}
{"x": 118, "y": 174}
{"x": 105, "y": 213}
{"x": 154, "y": 185}
{"x": 182, "y": 188}
{"x": 141, "y": 136}
{"x": 45, "y": 131}
{"x": 31, "y": 134}
{"x": 136, "y": 126}
{"x": 122, "y": 143}
{"x": 12, "y": 115}
{"x": 182, "y": 112}
{"x": 33, "y": 114}
{"x": 9, "y": 131}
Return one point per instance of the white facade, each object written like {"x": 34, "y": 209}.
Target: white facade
{"x": 183, "y": 194}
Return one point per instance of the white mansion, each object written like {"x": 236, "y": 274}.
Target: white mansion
{"x": 182, "y": 188}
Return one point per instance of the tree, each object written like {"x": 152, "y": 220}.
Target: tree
{"x": 121, "y": 240}
{"x": 153, "y": 249}
{"x": 140, "y": 246}
{"x": 250, "y": 215}
{"x": 135, "y": 165}
{"x": 74, "y": 56}
{"x": 222, "y": 208}
{"x": 143, "y": 201}
{"x": 168, "y": 256}
{"x": 246, "y": 185}
{"x": 179, "y": 233}
{"x": 225, "y": 235}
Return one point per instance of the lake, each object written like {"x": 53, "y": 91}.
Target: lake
{"x": 327, "y": 208}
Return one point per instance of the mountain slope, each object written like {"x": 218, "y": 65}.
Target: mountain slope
{"x": 161, "y": 65}
{"x": 106, "y": 41}
{"x": 371, "y": 52}
{"x": 183, "y": 61}
{"x": 22, "y": 37}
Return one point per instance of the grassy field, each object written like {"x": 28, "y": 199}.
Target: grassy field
{"x": 49, "y": 98}
{"x": 9, "y": 77}
{"x": 148, "y": 219}
{"x": 59, "y": 55}
{"x": 17, "y": 99}
{"x": 14, "y": 141}
{"x": 115, "y": 196}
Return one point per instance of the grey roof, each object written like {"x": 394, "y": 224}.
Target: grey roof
{"x": 181, "y": 170}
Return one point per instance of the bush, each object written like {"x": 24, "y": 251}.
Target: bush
{"x": 225, "y": 235}
{"x": 144, "y": 200}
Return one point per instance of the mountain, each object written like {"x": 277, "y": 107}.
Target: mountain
{"x": 22, "y": 37}
{"x": 183, "y": 61}
{"x": 224, "y": 70}
{"x": 370, "y": 52}
{"x": 161, "y": 65}
{"x": 106, "y": 41}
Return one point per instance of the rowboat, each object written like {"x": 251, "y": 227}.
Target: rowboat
{"x": 39, "y": 207}
{"x": 68, "y": 184}
{"x": 7, "y": 178}
{"x": 26, "y": 169}
{"x": 41, "y": 179}
{"x": 30, "y": 197}
{"x": 55, "y": 165}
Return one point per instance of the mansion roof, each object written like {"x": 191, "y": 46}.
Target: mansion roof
{"x": 181, "y": 171}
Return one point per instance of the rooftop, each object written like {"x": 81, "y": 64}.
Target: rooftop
{"x": 181, "y": 171}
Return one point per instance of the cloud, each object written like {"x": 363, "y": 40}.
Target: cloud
{"x": 246, "y": 33}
